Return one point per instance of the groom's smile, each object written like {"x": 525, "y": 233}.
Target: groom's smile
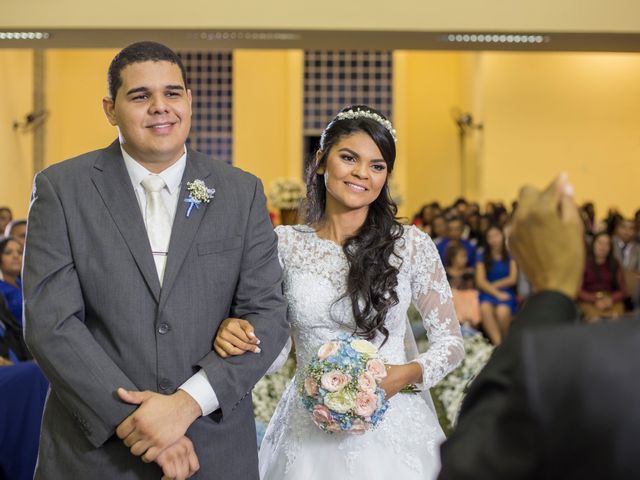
{"x": 152, "y": 111}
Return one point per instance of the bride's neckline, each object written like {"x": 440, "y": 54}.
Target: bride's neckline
{"x": 309, "y": 229}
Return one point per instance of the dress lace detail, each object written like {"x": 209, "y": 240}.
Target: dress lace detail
{"x": 405, "y": 442}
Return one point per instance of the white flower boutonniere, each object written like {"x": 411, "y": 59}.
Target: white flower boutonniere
{"x": 198, "y": 193}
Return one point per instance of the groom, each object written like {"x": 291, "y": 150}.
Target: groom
{"x": 132, "y": 261}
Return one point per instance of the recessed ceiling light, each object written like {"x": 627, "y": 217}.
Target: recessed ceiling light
{"x": 24, "y": 35}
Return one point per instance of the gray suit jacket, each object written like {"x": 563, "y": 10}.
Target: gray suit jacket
{"x": 97, "y": 318}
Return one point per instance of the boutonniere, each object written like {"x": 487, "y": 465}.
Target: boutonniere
{"x": 198, "y": 193}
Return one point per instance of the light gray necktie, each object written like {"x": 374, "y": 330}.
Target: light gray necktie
{"x": 158, "y": 222}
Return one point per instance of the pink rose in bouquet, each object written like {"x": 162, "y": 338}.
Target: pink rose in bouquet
{"x": 334, "y": 381}
{"x": 359, "y": 426}
{"x": 366, "y": 404}
{"x": 377, "y": 368}
{"x": 327, "y": 350}
{"x": 367, "y": 383}
{"x": 321, "y": 415}
{"x": 310, "y": 386}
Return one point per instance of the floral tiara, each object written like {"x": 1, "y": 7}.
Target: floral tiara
{"x": 351, "y": 114}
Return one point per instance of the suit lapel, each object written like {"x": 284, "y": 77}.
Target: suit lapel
{"x": 114, "y": 185}
{"x": 185, "y": 228}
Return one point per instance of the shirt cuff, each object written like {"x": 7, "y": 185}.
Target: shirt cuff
{"x": 200, "y": 389}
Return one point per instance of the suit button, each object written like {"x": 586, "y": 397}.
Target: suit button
{"x": 165, "y": 384}
{"x": 163, "y": 328}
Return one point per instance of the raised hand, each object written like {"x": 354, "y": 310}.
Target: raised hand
{"x": 235, "y": 337}
{"x": 159, "y": 422}
{"x": 179, "y": 461}
{"x": 546, "y": 237}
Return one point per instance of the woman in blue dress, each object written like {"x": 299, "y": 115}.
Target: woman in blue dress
{"x": 496, "y": 278}
{"x": 10, "y": 266}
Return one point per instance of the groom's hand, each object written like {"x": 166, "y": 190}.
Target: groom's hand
{"x": 159, "y": 422}
{"x": 179, "y": 461}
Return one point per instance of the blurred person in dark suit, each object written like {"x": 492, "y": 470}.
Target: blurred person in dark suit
{"x": 558, "y": 399}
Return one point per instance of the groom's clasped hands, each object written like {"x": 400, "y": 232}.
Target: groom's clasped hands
{"x": 156, "y": 430}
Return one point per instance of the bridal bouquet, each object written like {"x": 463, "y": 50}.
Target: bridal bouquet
{"x": 339, "y": 387}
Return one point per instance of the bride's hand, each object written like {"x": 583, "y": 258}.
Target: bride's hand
{"x": 399, "y": 376}
{"x": 235, "y": 337}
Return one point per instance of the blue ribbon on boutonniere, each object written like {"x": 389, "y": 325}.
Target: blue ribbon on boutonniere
{"x": 198, "y": 193}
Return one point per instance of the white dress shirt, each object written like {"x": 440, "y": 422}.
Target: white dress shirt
{"x": 198, "y": 386}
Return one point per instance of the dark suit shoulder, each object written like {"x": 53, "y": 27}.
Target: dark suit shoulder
{"x": 581, "y": 366}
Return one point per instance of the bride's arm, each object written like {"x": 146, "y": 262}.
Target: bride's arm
{"x": 235, "y": 337}
{"x": 432, "y": 297}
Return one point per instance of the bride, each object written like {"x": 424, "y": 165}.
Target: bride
{"x": 354, "y": 269}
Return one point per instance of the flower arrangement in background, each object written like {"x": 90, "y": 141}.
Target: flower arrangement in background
{"x": 268, "y": 391}
{"x": 451, "y": 390}
{"x": 286, "y": 193}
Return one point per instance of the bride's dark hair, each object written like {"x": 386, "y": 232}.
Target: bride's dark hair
{"x": 372, "y": 279}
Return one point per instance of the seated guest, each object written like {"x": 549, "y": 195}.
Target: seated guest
{"x": 603, "y": 288}
{"x": 5, "y": 217}
{"x": 438, "y": 228}
{"x": 588, "y": 214}
{"x": 455, "y": 228}
{"x": 626, "y": 249}
{"x": 10, "y": 266}
{"x": 501, "y": 215}
{"x": 496, "y": 278}
{"x": 17, "y": 229}
{"x": 460, "y": 206}
{"x": 473, "y": 230}
{"x": 423, "y": 218}
{"x": 483, "y": 225}
{"x": 462, "y": 281}
{"x": 12, "y": 346}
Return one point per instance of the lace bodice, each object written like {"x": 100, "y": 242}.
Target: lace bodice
{"x": 315, "y": 273}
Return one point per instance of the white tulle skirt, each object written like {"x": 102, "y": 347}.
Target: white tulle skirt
{"x": 405, "y": 445}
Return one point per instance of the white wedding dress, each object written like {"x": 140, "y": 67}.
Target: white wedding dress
{"x": 405, "y": 445}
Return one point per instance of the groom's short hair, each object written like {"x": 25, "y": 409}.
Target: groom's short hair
{"x": 140, "y": 52}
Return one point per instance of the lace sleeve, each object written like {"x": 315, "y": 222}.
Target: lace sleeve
{"x": 432, "y": 296}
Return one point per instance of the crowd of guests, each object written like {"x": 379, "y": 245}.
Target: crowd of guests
{"x": 486, "y": 283}
{"x": 12, "y": 235}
